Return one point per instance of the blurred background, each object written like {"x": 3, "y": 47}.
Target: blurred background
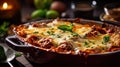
{"x": 65, "y": 8}
{"x": 24, "y": 10}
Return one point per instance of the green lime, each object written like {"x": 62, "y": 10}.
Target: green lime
{"x": 51, "y": 14}
{"x": 38, "y": 14}
{"x": 42, "y": 4}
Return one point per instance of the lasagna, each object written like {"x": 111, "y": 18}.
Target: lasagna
{"x": 70, "y": 37}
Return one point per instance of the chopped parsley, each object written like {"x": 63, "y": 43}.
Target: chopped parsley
{"x": 74, "y": 34}
{"x": 50, "y": 32}
{"x": 106, "y": 39}
{"x": 86, "y": 44}
{"x": 36, "y": 32}
{"x": 52, "y": 28}
{"x": 91, "y": 42}
{"x": 58, "y": 36}
{"x": 69, "y": 36}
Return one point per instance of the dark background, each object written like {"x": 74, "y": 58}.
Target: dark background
{"x": 29, "y": 6}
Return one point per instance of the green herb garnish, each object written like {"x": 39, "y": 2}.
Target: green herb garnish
{"x": 4, "y": 28}
{"x": 58, "y": 36}
{"x": 106, "y": 39}
{"x": 74, "y": 34}
{"x": 35, "y": 32}
{"x": 66, "y": 27}
{"x": 91, "y": 42}
{"x": 50, "y": 32}
{"x": 86, "y": 44}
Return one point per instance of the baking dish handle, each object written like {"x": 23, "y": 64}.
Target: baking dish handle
{"x": 16, "y": 44}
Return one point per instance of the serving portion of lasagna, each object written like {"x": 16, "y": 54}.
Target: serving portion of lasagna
{"x": 70, "y": 37}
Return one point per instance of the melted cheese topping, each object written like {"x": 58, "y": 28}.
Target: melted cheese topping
{"x": 76, "y": 37}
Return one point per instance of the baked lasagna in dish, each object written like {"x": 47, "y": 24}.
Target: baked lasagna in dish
{"x": 70, "y": 37}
